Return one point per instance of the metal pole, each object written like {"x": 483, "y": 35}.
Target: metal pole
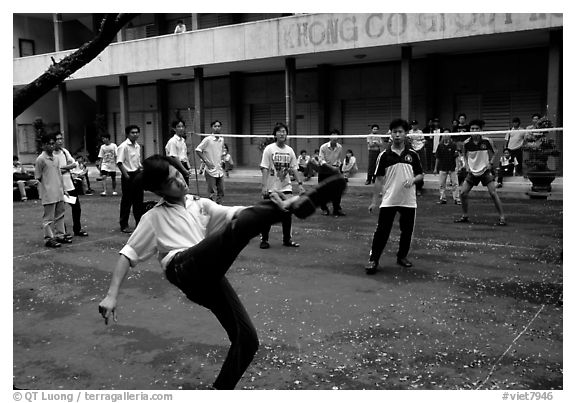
{"x": 191, "y": 117}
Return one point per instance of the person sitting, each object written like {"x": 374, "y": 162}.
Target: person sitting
{"x": 304, "y": 165}
{"x": 349, "y": 166}
{"x": 24, "y": 181}
{"x": 507, "y": 166}
{"x": 79, "y": 174}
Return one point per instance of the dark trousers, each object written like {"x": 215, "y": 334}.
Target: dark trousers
{"x": 385, "y": 221}
{"x": 286, "y": 226}
{"x": 518, "y": 153}
{"x": 132, "y": 197}
{"x": 324, "y": 172}
{"x": 200, "y": 271}
{"x": 505, "y": 170}
{"x": 76, "y": 211}
{"x": 372, "y": 158}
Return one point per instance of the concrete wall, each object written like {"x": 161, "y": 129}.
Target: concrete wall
{"x": 302, "y": 34}
{"x": 40, "y": 31}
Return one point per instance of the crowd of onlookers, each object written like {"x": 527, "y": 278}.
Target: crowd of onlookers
{"x": 58, "y": 177}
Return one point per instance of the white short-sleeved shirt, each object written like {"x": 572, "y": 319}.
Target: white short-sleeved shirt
{"x": 176, "y": 147}
{"x": 108, "y": 155}
{"x": 515, "y": 139}
{"x": 279, "y": 161}
{"x": 129, "y": 155}
{"x": 64, "y": 158}
{"x": 170, "y": 228}
{"x": 213, "y": 147}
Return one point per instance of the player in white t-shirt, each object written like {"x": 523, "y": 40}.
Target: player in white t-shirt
{"x": 278, "y": 162}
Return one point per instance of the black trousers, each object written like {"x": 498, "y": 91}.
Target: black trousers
{"x": 385, "y": 221}
{"x": 324, "y": 172}
{"x": 286, "y": 226}
{"x": 76, "y": 211}
{"x": 372, "y": 158}
{"x": 200, "y": 271}
{"x": 132, "y": 197}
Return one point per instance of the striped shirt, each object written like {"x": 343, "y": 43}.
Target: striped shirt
{"x": 396, "y": 170}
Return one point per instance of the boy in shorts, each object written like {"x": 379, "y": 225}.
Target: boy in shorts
{"x": 479, "y": 155}
{"x": 107, "y": 163}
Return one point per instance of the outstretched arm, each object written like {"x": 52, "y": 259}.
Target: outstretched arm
{"x": 108, "y": 304}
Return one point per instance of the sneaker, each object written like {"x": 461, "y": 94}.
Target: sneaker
{"x": 52, "y": 243}
{"x": 81, "y": 233}
{"x": 126, "y": 230}
{"x": 499, "y": 185}
{"x": 402, "y": 261}
{"x": 103, "y": 194}
{"x": 368, "y": 182}
{"x": 458, "y": 202}
{"x": 64, "y": 239}
{"x": 264, "y": 245}
{"x": 89, "y": 192}
{"x": 461, "y": 220}
{"x": 441, "y": 201}
{"x": 114, "y": 193}
{"x": 371, "y": 267}
{"x": 501, "y": 222}
{"x": 290, "y": 243}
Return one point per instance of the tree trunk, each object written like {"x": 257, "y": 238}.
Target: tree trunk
{"x": 58, "y": 72}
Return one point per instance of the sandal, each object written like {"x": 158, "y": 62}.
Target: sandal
{"x": 501, "y": 222}
{"x": 461, "y": 220}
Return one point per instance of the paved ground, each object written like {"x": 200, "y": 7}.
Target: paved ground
{"x": 481, "y": 308}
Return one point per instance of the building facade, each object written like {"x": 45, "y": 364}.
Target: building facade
{"x": 313, "y": 71}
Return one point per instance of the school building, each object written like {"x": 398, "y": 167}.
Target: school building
{"x": 313, "y": 71}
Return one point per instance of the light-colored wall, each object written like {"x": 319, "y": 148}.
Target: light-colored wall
{"x": 302, "y": 34}
{"x": 38, "y": 30}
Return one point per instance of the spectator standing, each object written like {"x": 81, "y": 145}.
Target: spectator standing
{"x": 330, "y": 157}
{"x": 67, "y": 163}
{"x": 180, "y": 27}
{"x": 349, "y": 167}
{"x": 508, "y": 166}
{"x": 460, "y": 166}
{"x": 417, "y": 141}
{"x": 434, "y": 129}
{"x": 397, "y": 170}
{"x": 107, "y": 163}
{"x": 227, "y": 161}
{"x": 176, "y": 146}
{"x": 375, "y": 144}
{"x": 210, "y": 152}
{"x": 129, "y": 161}
{"x": 47, "y": 173}
{"x": 79, "y": 175}
{"x": 446, "y": 155}
{"x": 514, "y": 142}
{"x": 278, "y": 162}
{"x": 479, "y": 156}
{"x": 461, "y": 127}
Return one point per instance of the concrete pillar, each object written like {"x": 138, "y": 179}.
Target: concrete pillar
{"x": 63, "y": 108}
{"x": 432, "y": 89}
{"x": 554, "y": 88}
{"x": 236, "y": 114}
{"x": 290, "y": 90}
{"x": 405, "y": 93}
{"x": 194, "y": 26}
{"x": 164, "y": 123}
{"x": 58, "y": 32}
{"x": 124, "y": 104}
{"x": 199, "y": 100}
{"x": 323, "y": 99}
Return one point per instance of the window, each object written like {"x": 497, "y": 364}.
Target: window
{"x": 26, "y": 47}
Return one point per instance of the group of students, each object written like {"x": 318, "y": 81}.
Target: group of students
{"x": 309, "y": 164}
{"x": 196, "y": 240}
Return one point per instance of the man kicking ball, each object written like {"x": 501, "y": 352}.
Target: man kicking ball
{"x": 197, "y": 240}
